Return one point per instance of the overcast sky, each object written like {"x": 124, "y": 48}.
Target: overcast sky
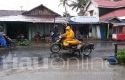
{"x": 29, "y": 4}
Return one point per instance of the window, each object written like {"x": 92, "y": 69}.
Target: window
{"x": 91, "y": 13}
{"x": 120, "y": 29}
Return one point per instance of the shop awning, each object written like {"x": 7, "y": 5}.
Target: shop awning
{"x": 33, "y": 19}
{"x": 118, "y": 24}
{"x": 83, "y": 20}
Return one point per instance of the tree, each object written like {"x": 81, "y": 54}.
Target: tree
{"x": 78, "y": 4}
{"x": 65, "y": 4}
{"x": 65, "y": 14}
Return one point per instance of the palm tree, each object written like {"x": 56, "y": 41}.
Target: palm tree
{"x": 65, "y": 14}
{"x": 65, "y": 4}
{"x": 78, "y": 4}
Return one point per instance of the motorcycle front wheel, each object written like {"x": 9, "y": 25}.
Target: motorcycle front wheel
{"x": 55, "y": 48}
{"x": 12, "y": 45}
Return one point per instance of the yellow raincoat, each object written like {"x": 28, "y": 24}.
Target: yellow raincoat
{"x": 70, "y": 37}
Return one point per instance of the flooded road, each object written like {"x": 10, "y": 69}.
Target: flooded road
{"x": 35, "y": 63}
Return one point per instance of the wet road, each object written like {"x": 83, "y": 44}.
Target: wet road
{"x": 35, "y": 63}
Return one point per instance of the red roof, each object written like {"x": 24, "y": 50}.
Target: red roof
{"x": 110, "y": 3}
{"x": 116, "y": 13}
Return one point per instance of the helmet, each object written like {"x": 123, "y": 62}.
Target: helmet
{"x": 67, "y": 27}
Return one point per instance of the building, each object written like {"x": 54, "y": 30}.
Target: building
{"x": 84, "y": 25}
{"x": 109, "y": 12}
{"x": 39, "y": 19}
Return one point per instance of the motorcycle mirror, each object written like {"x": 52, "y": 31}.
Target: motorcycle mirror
{"x": 60, "y": 36}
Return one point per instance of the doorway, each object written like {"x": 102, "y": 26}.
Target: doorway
{"x": 16, "y": 28}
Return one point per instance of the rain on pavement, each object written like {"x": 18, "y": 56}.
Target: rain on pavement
{"x": 63, "y": 67}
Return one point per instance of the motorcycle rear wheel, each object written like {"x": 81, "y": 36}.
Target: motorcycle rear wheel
{"x": 86, "y": 51}
{"x": 55, "y": 48}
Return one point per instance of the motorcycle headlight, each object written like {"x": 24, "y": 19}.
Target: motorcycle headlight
{"x": 57, "y": 41}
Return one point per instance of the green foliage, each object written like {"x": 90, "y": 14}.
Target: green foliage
{"x": 25, "y": 42}
{"x": 66, "y": 14}
{"x": 65, "y": 4}
{"x": 78, "y": 4}
{"x": 121, "y": 56}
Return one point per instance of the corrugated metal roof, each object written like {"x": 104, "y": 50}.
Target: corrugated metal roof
{"x": 37, "y": 19}
{"x": 108, "y": 20}
{"x": 116, "y": 13}
{"x": 32, "y": 19}
{"x": 110, "y": 3}
{"x": 10, "y": 12}
{"x": 40, "y": 6}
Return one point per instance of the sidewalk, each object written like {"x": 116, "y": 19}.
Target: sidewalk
{"x": 44, "y": 44}
{"x": 40, "y": 44}
{"x": 97, "y": 40}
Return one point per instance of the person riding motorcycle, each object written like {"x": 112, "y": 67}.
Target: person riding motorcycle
{"x": 69, "y": 37}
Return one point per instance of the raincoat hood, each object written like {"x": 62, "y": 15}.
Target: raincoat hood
{"x": 68, "y": 28}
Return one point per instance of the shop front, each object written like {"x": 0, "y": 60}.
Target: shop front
{"x": 118, "y": 32}
{"x": 86, "y": 25}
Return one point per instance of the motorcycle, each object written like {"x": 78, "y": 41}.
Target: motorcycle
{"x": 10, "y": 42}
{"x": 83, "y": 49}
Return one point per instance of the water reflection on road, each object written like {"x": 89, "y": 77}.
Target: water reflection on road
{"x": 70, "y": 67}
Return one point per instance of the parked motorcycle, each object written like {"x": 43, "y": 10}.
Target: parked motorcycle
{"x": 83, "y": 49}
{"x": 10, "y": 42}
